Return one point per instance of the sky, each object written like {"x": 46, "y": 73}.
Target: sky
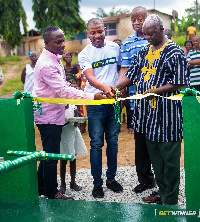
{"x": 89, "y": 6}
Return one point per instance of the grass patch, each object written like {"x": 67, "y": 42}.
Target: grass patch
{"x": 11, "y": 86}
{"x": 13, "y": 58}
{"x": 180, "y": 41}
{"x": 21, "y": 65}
{"x": 74, "y": 60}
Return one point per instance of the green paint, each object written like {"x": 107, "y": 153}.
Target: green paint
{"x": 17, "y": 133}
{"x": 191, "y": 134}
{"x": 42, "y": 155}
{"x": 84, "y": 211}
{"x": 20, "y": 186}
{"x": 28, "y": 157}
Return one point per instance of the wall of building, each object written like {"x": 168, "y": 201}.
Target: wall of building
{"x": 125, "y": 28}
{"x": 76, "y": 46}
{"x": 165, "y": 18}
{"x": 30, "y": 45}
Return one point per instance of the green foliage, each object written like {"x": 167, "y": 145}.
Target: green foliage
{"x": 192, "y": 14}
{"x": 62, "y": 13}
{"x": 11, "y": 14}
{"x": 14, "y": 58}
{"x": 180, "y": 40}
{"x": 100, "y": 13}
{"x": 11, "y": 86}
{"x": 74, "y": 60}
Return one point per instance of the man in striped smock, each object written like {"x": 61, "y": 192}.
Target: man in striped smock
{"x": 129, "y": 48}
{"x": 160, "y": 67}
{"x": 194, "y": 60}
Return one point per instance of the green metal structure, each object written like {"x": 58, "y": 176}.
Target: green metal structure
{"x": 19, "y": 199}
{"x": 191, "y": 134}
{"x": 17, "y": 133}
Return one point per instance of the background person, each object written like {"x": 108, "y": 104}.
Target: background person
{"x": 1, "y": 76}
{"x": 194, "y": 61}
{"x": 27, "y": 76}
{"x": 100, "y": 62}
{"x": 118, "y": 41}
{"x": 71, "y": 143}
{"x": 50, "y": 82}
{"x": 191, "y": 31}
{"x": 81, "y": 83}
{"x": 188, "y": 46}
{"x": 70, "y": 70}
{"x": 130, "y": 47}
{"x": 168, "y": 33}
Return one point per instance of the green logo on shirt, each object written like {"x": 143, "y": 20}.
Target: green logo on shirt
{"x": 104, "y": 62}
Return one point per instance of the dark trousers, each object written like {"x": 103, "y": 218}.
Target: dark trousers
{"x": 142, "y": 160}
{"x": 47, "y": 170}
{"x": 129, "y": 119}
{"x": 165, "y": 159}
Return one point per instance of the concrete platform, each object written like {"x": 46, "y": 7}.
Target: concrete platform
{"x": 45, "y": 210}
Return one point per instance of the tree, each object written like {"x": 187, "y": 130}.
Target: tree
{"x": 11, "y": 14}
{"x": 192, "y": 14}
{"x": 62, "y": 13}
{"x": 100, "y": 13}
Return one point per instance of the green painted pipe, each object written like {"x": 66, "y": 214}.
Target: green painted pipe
{"x": 21, "y": 161}
{"x": 28, "y": 157}
{"x": 43, "y": 155}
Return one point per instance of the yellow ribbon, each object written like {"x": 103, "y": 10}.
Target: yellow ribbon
{"x": 101, "y": 101}
{"x": 153, "y": 101}
{"x": 74, "y": 101}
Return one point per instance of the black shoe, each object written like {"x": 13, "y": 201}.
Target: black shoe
{"x": 41, "y": 191}
{"x": 114, "y": 186}
{"x": 98, "y": 192}
{"x": 142, "y": 187}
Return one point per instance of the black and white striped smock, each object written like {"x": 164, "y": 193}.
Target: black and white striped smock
{"x": 161, "y": 119}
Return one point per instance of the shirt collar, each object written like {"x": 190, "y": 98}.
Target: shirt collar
{"x": 52, "y": 55}
{"x": 136, "y": 35}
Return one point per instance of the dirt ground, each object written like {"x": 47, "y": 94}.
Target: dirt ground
{"x": 126, "y": 153}
{"x": 126, "y": 150}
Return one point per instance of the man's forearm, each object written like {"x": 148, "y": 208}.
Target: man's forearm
{"x": 121, "y": 73}
{"x": 123, "y": 83}
{"x": 96, "y": 83}
{"x": 166, "y": 88}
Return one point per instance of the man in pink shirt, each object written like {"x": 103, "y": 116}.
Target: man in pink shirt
{"x": 49, "y": 82}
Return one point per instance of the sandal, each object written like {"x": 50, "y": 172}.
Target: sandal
{"x": 62, "y": 188}
{"x": 75, "y": 187}
{"x": 131, "y": 131}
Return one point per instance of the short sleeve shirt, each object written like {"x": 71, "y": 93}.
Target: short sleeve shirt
{"x": 103, "y": 61}
{"x": 129, "y": 48}
{"x": 195, "y": 70}
{"x": 191, "y": 30}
